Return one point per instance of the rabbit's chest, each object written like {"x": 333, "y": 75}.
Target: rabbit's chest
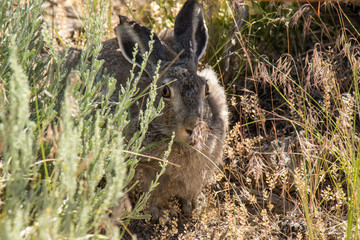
{"x": 193, "y": 167}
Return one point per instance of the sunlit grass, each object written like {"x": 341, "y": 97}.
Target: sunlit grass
{"x": 64, "y": 167}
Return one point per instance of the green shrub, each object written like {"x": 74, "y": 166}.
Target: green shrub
{"x": 64, "y": 165}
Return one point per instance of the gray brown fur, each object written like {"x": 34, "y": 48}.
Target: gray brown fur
{"x": 197, "y": 119}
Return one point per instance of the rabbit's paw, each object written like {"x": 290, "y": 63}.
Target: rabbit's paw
{"x": 187, "y": 206}
{"x": 155, "y": 213}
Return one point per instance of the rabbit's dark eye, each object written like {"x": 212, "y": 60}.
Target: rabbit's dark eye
{"x": 206, "y": 89}
{"x": 166, "y": 92}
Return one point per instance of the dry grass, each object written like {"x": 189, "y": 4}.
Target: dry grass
{"x": 291, "y": 163}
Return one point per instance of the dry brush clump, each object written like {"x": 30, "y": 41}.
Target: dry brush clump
{"x": 297, "y": 139}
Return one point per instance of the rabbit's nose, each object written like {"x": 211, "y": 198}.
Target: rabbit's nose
{"x": 190, "y": 124}
{"x": 189, "y": 131}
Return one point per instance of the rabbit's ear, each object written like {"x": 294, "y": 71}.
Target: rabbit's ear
{"x": 190, "y": 31}
{"x": 129, "y": 33}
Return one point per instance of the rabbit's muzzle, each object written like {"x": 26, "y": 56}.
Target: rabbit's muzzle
{"x": 190, "y": 124}
{"x": 194, "y": 131}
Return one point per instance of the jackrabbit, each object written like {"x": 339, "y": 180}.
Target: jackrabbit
{"x": 195, "y": 104}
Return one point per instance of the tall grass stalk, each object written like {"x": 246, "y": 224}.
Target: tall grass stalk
{"x": 352, "y": 158}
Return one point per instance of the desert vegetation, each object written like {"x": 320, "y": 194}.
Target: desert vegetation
{"x": 291, "y": 164}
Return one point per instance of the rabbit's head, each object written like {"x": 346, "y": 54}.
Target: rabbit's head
{"x": 194, "y": 101}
